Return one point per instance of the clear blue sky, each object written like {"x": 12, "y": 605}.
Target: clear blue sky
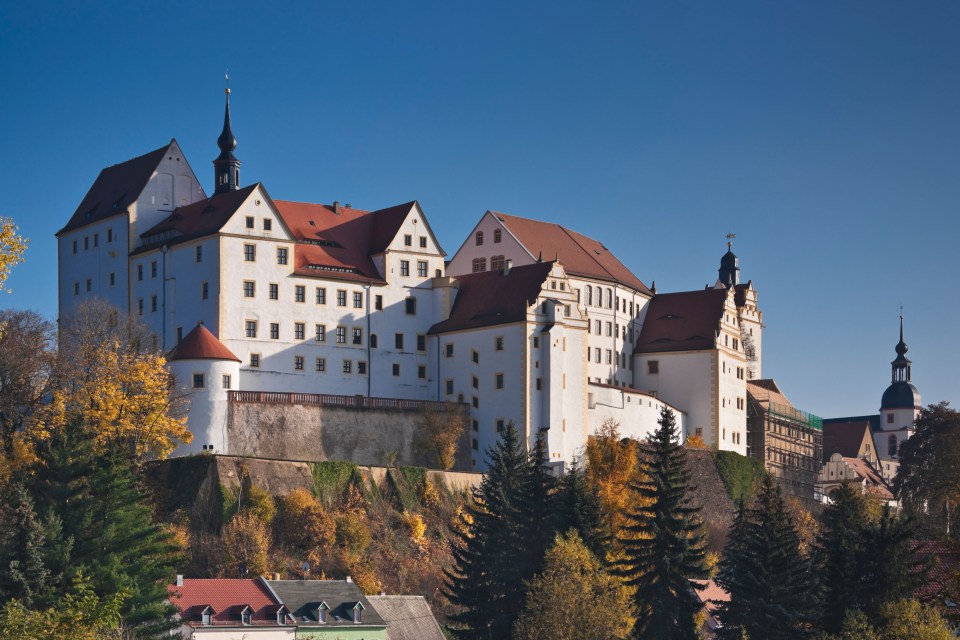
{"x": 826, "y": 135}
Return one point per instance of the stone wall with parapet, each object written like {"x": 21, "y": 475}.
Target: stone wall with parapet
{"x": 315, "y": 428}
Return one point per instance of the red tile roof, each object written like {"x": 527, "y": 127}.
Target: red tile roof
{"x": 201, "y": 344}
{"x": 875, "y": 483}
{"x": 227, "y": 597}
{"x": 492, "y": 298}
{"x": 580, "y": 255}
{"x": 941, "y": 581}
{"x": 683, "y": 321}
{"x": 196, "y": 220}
{"x": 115, "y": 189}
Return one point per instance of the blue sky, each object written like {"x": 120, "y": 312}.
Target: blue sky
{"x": 825, "y": 135}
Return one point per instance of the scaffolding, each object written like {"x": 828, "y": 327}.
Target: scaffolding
{"x": 789, "y": 443}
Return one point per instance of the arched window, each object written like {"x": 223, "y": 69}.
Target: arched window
{"x": 479, "y": 238}
{"x": 609, "y": 298}
{"x": 892, "y": 445}
{"x": 589, "y": 295}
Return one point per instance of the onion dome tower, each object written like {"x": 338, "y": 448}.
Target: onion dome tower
{"x": 900, "y": 403}
{"x": 226, "y": 167}
{"x": 729, "y": 270}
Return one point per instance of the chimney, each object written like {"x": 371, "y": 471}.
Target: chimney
{"x": 336, "y": 207}
{"x": 179, "y": 580}
{"x": 349, "y": 579}
{"x": 506, "y": 269}
{"x": 276, "y": 576}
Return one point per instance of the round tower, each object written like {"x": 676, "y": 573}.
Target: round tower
{"x": 205, "y": 371}
{"x": 900, "y": 404}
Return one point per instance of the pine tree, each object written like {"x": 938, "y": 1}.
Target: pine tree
{"x": 890, "y": 564}
{"x": 577, "y": 506}
{"x": 771, "y": 586}
{"x": 499, "y": 543}
{"x": 841, "y": 548}
{"x": 664, "y": 541}
{"x": 23, "y": 571}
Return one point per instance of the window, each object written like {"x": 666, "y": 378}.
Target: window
{"x": 396, "y": 369}
{"x": 76, "y": 289}
{"x": 421, "y": 342}
{"x": 298, "y": 363}
{"x": 113, "y": 279}
{"x": 423, "y": 242}
{"x": 536, "y": 342}
{"x": 422, "y": 372}
{"x": 267, "y": 224}
{"x": 378, "y": 303}
{"x": 341, "y": 335}
{"x": 226, "y": 381}
{"x": 341, "y": 298}
{"x": 348, "y": 366}
{"x": 362, "y": 367}
{"x": 422, "y": 268}
{"x": 479, "y": 264}
{"x": 321, "y": 333}
{"x": 274, "y": 291}
{"x": 96, "y": 240}
{"x": 653, "y": 366}
{"x": 274, "y": 330}
{"x": 475, "y": 382}
{"x": 479, "y": 238}
{"x": 249, "y": 253}
{"x": 476, "y": 402}
{"x": 74, "y": 246}
{"x": 357, "y": 300}
{"x": 321, "y": 364}
{"x": 500, "y": 425}
{"x": 475, "y": 445}
{"x": 206, "y": 617}
{"x": 889, "y": 418}
{"x": 254, "y": 359}
{"x": 373, "y": 341}
{"x": 892, "y": 445}
{"x": 407, "y": 240}
{"x": 300, "y": 293}
{"x": 139, "y": 272}
{"x": 609, "y": 356}
{"x": 404, "y": 267}
{"x": 476, "y": 426}
{"x": 204, "y": 290}
{"x": 539, "y": 384}
{"x": 247, "y": 616}
{"x": 497, "y": 263}
{"x": 411, "y": 306}
{"x": 498, "y": 343}
{"x": 598, "y": 326}
{"x": 475, "y": 355}
{"x": 596, "y": 354}
{"x": 449, "y": 386}
{"x": 281, "y": 255}
{"x": 357, "y": 335}
{"x": 398, "y": 341}
{"x": 498, "y": 381}
{"x": 299, "y": 330}
{"x": 199, "y": 253}
{"x": 448, "y": 349}
{"x": 497, "y": 235}
{"x": 198, "y": 381}
{"x": 250, "y": 222}
{"x": 153, "y": 269}
{"x": 249, "y": 288}
{"x": 321, "y": 295}
{"x": 609, "y": 329}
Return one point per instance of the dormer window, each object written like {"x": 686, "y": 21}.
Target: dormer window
{"x": 282, "y": 615}
{"x": 206, "y": 616}
{"x": 246, "y": 616}
{"x": 358, "y": 613}
{"x": 322, "y": 613}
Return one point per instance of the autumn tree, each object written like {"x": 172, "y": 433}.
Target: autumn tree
{"x": 26, "y": 368}
{"x": 304, "y": 526}
{"x": 573, "y": 580}
{"x": 80, "y": 615}
{"x": 440, "y": 432}
{"x": 12, "y": 247}
{"x": 897, "y": 620}
{"x": 665, "y": 544}
{"x": 247, "y": 542}
{"x": 611, "y": 465}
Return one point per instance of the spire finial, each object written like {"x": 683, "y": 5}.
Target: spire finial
{"x": 227, "y": 76}
{"x": 730, "y": 237}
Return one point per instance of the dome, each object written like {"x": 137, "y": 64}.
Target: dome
{"x": 900, "y": 395}
{"x": 729, "y": 260}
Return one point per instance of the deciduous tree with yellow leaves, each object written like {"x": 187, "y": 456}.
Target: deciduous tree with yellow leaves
{"x": 12, "y": 246}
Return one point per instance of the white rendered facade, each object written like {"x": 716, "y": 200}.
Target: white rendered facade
{"x": 637, "y": 414}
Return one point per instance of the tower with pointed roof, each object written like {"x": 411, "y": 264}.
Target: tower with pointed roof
{"x": 226, "y": 167}
{"x": 729, "y": 271}
{"x": 900, "y": 404}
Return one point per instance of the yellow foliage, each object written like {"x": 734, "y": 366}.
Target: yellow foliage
{"x": 695, "y": 442}
{"x": 12, "y": 247}
{"x": 365, "y": 577}
{"x": 429, "y": 494}
{"x": 125, "y": 399}
{"x": 611, "y": 466}
{"x": 21, "y": 459}
{"x": 414, "y": 522}
{"x": 304, "y": 524}
{"x": 247, "y": 542}
{"x": 353, "y": 533}
{"x": 259, "y": 504}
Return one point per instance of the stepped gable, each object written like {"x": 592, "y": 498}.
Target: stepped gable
{"x": 197, "y": 220}
{"x": 115, "y": 189}
{"x": 201, "y": 344}
{"x": 338, "y": 242}
{"x": 685, "y": 321}
{"x": 302, "y": 597}
{"x": 580, "y": 255}
{"x": 491, "y": 298}
{"x": 227, "y": 597}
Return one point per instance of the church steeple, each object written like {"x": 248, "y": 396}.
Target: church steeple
{"x": 226, "y": 167}
{"x": 729, "y": 265}
{"x": 900, "y": 367}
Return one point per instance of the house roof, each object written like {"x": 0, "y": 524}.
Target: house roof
{"x": 227, "y": 597}
{"x": 116, "y": 188}
{"x": 408, "y": 617}
{"x": 844, "y": 438}
{"x": 491, "y": 298}
{"x": 201, "y": 344}
{"x": 875, "y": 482}
{"x": 302, "y": 597}
{"x": 685, "y": 321}
{"x": 580, "y": 255}
{"x": 197, "y": 220}
{"x": 940, "y": 585}
{"x": 767, "y": 391}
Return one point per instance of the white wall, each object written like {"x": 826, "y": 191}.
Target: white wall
{"x": 636, "y": 413}
{"x": 207, "y": 418}
{"x": 101, "y": 250}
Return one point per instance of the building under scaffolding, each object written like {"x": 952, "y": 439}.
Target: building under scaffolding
{"x": 788, "y": 441}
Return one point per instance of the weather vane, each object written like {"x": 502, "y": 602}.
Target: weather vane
{"x": 730, "y": 237}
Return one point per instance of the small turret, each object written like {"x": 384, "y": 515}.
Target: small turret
{"x": 729, "y": 270}
{"x": 226, "y": 167}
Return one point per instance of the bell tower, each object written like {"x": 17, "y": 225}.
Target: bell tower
{"x": 226, "y": 167}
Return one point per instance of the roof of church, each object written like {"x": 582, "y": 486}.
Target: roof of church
{"x": 115, "y": 189}
{"x": 201, "y": 344}
{"x": 844, "y": 438}
{"x": 196, "y": 220}
{"x": 580, "y": 255}
{"x": 490, "y": 298}
{"x": 684, "y": 321}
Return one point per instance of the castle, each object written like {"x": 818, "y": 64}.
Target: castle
{"x": 528, "y": 321}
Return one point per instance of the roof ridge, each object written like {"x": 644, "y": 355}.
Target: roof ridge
{"x": 569, "y": 233}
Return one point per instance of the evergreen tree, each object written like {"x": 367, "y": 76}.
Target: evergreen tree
{"x": 841, "y": 548}
{"x": 499, "y": 543}
{"x": 770, "y": 583}
{"x": 23, "y": 572}
{"x": 663, "y": 540}
{"x": 577, "y": 506}
{"x": 890, "y": 565}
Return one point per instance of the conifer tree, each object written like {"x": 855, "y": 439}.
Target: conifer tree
{"x": 840, "y": 551}
{"x": 577, "y": 506}
{"x": 771, "y": 586}
{"x": 499, "y": 542}
{"x": 890, "y": 564}
{"x": 23, "y": 572}
{"x": 664, "y": 541}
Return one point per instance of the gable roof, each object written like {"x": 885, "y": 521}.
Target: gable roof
{"x": 580, "y": 255}
{"x": 684, "y": 321}
{"x": 875, "y": 482}
{"x": 844, "y": 438}
{"x": 227, "y": 597}
{"x": 302, "y": 597}
{"x": 408, "y": 617}
{"x": 767, "y": 391}
{"x": 197, "y": 220}
{"x": 115, "y": 189}
{"x": 940, "y": 585}
{"x": 201, "y": 344}
{"x": 491, "y": 298}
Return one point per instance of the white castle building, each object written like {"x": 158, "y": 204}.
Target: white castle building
{"x": 528, "y": 322}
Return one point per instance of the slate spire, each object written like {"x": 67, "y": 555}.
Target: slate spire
{"x": 226, "y": 167}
